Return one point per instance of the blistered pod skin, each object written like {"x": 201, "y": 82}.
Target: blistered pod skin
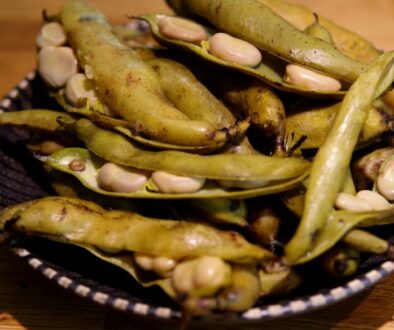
{"x": 234, "y": 50}
{"x": 127, "y": 85}
{"x": 128, "y": 231}
{"x": 51, "y": 34}
{"x": 182, "y": 29}
{"x": 56, "y": 65}
{"x": 252, "y": 21}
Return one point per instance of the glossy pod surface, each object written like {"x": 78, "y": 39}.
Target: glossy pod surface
{"x": 333, "y": 158}
{"x": 135, "y": 87}
{"x": 88, "y": 177}
{"x": 254, "y": 22}
{"x": 270, "y": 70}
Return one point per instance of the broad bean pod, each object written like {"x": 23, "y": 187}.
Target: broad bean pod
{"x": 333, "y": 158}
{"x": 256, "y": 23}
{"x": 348, "y": 42}
{"x": 128, "y": 85}
{"x": 315, "y": 122}
{"x": 84, "y": 222}
{"x": 221, "y": 166}
{"x": 270, "y": 70}
{"x": 88, "y": 177}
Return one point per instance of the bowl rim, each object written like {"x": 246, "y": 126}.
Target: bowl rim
{"x": 283, "y": 308}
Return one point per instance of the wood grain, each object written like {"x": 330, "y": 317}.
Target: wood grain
{"x": 28, "y": 301}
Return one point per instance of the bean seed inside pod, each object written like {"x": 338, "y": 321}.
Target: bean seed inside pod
{"x": 115, "y": 178}
{"x": 56, "y": 65}
{"x": 299, "y": 76}
{"x": 51, "y": 34}
{"x": 175, "y": 184}
{"x": 377, "y": 201}
{"x": 349, "y": 202}
{"x": 78, "y": 89}
{"x": 234, "y": 50}
{"x": 182, "y": 29}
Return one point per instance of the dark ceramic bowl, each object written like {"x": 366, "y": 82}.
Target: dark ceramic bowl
{"x": 21, "y": 179}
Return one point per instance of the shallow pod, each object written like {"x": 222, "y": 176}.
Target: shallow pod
{"x": 87, "y": 175}
{"x": 271, "y": 70}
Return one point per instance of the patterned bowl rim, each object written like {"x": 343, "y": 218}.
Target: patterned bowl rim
{"x": 283, "y": 308}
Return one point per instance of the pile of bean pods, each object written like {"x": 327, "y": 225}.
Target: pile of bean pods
{"x": 215, "y": 153}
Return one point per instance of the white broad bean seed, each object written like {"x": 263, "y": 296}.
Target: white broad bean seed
{"x": 299, "y": 76}
{"x": 116, "y": 178}
{"x": 56, "y": 65}
{"x": 377, "y": 201}
{"x": 234, "y": 50}
{"x": 163, "y": 265}
{"x": 51, "y": 34}
{"x": 182, "y": 29}
{"x": 79, "y": 88}
{"x": 175, "y": 184}
{"x": 143, "y": 260}
{"x": 385, "y": 181}
{"x": 203, "y": 273}
{"x": 349, "y": 202}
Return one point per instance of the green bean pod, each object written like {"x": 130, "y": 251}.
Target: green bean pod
{"x": 348, "y": 42}
{"x": 222, "y": 166}
{"x": 96, "y": 115}
{"x": 364, "y": 241}
{"x": 84, "y": 222}
{"x": 256, "y": 23}
{"x": 91, "y": 164}
{"x": 127, "y": 85}
{"x": 315, "y": 123}
{"x": 271, "y": 70}
{"x": 35, "y": 119}
{"x": 264, "y": 108}
{"x": 333, "y": 158}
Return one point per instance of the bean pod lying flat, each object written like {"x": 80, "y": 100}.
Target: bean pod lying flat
{"x": 87, "y": 223}
{"x": 88, "y": 177}
{"x": 254, "y": 22}
{"x": 270, "y": 70}
{"x": 222, "y": 166}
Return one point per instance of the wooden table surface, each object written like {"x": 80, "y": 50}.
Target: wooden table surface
{"x": 28, "y": 301}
